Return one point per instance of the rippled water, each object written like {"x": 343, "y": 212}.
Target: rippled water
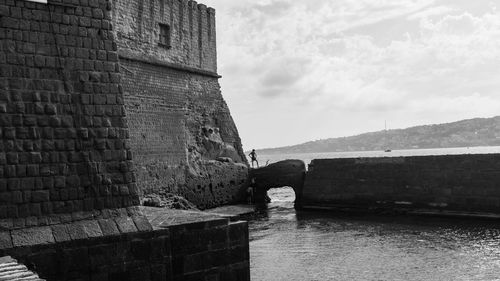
{"x": 285, "y": 245}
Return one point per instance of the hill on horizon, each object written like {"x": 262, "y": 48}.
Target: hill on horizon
{"x": 464, "y": 133}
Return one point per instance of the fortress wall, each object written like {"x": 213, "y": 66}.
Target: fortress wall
{"x": 468, "y": 183}
{"x": 211, "y": 48}
{"x": 64, "y": 138}
{"x": 179, "y": 122}
{"x": 193, "y": 41}
{"x": 67, "y": 183}
{"x": 179, "y": 126}
{"x": 155, "y": 101}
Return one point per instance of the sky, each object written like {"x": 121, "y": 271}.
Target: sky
{"x": 297, "y": 71}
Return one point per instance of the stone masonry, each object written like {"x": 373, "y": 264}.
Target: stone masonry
{"x": 290, "y": 173}
{"x": 466, "y": 183}
{"x": 68, "y": 193}
{"x": 136, "y": 244}
{"x": 182, "y": 134}
{"x": 64, "y": 135}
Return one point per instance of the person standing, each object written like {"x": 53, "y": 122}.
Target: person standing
{"x": 253, "y": 157}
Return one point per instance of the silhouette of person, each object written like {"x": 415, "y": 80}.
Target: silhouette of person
{"x": 253, "y": 157}
{"x": 250, "y": 192}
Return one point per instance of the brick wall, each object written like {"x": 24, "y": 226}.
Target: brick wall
{"x": 64, "y": 135}
{"x": 468, "y": 183}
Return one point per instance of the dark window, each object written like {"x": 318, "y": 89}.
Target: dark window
{"x": 164, "y": 35}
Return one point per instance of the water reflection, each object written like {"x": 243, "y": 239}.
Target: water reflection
{"x": 286, "y": 245}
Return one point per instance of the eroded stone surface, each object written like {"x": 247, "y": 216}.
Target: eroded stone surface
{"x": 179, "y": 122}
{"x": 66, "y": 170}
{"x": 284, "y": 173}
{"x": 163, "y": 199}
{"x": 32, "y": 236}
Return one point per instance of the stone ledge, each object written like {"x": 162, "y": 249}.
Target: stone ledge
{"x": 150, "y": 60}
{"x": 58, "y": 219}
{"x": 111, "y": 223}
{"x": 165, "y": 218}
{"x": 233, "y": 212}
{"x": 106, "y": 223}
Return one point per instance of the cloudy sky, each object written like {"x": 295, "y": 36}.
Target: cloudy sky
{"x": 295, "y": 71}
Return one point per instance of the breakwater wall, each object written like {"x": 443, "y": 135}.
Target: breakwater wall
{"x": 464, "y": 183}
{"x": 285, "y": 173}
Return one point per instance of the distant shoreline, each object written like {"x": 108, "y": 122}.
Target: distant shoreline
{"x": 476, "y": 132}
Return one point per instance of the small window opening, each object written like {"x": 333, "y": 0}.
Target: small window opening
{"x": 164, "y": 35}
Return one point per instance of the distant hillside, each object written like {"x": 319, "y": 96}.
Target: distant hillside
{"x": 472, "y": 132}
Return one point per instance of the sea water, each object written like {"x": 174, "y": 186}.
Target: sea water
{"x": 302, "y": 245}
{"x": 307, "y": 157}
{"x": 289, "y": 245}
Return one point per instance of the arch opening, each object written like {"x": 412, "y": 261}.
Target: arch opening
{"x": 290, "y": 173}
{"x": 284, "y": 194}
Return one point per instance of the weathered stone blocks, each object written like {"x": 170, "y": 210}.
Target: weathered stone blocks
{"x": 454, "y": 183}
{"x": 174, "y": 245}
{"x": 179, "y": 126}
{"x": 65, "y": 159}
{"x": 52, "y": 83}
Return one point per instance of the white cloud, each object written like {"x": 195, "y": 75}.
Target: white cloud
{"x": 431, "y": 12}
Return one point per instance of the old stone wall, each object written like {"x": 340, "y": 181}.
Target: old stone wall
{"x": 192, "y": 25}
{"x": 284, "y": 173}
{"x": 64, "y": 135}
{"x": 468, "y": 183}
{"x": 146, "y": 244}
{"x": 182, "y": 134}
{"x": 67, "y": 183}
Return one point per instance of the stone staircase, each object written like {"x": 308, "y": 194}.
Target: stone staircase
{"x": 11, "y": 270}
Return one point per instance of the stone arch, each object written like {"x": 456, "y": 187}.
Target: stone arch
{"x": 284, "y": 173}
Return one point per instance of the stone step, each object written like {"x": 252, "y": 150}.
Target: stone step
{"x": 10, "y": 270}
